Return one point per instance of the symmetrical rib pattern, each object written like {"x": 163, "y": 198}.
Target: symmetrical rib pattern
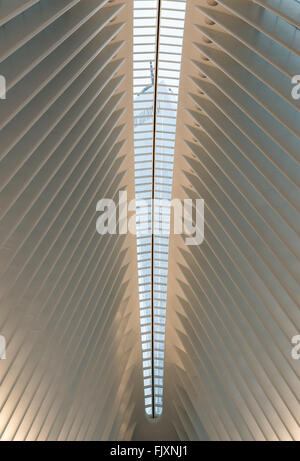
{"x": 69, "y": 305}
{"x": 235, "y": 298}
{"x": 67, "y": 294}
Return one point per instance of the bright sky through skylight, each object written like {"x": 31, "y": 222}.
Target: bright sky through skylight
{"x": 153, "y": 271}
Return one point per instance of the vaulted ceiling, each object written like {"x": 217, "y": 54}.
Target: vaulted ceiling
{"x": 69, "y": 298}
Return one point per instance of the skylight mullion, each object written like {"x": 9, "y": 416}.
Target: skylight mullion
{"x": 174, "y": 3}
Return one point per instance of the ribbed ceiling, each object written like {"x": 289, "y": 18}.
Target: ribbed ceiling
{"x": 235, "y": 302}
{"x": 67, "y": 293}
{"x": 69, "y": 307}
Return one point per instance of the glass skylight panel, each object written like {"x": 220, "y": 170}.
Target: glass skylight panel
{"x": 154, "y": 158}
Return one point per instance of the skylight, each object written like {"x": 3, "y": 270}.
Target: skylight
{"x": 158, "y": 36}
